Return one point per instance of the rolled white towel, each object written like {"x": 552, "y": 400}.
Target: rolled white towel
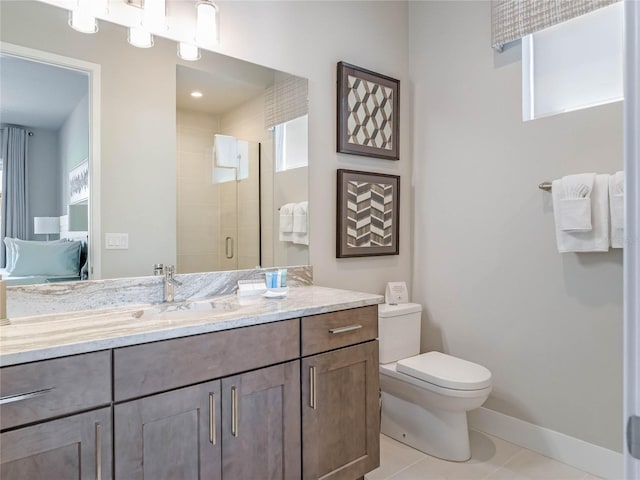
{"x": 616, "y": 209}
{"x": 574, "y": 203}
{"x": 596, "y": 240}
{"x": 286, "y": 222}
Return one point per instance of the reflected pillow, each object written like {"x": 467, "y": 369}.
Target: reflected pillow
{"x": 9, "y": 256}
{"x": 55, "y": 258}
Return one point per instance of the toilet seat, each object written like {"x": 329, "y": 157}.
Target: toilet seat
{"x": 390, "y": 370}
{"x": 446, "y": 371}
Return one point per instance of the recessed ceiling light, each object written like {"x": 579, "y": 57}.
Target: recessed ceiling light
{"x": 196, "y": 94}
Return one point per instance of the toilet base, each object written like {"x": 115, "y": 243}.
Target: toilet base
{"x": 440, "y": 433}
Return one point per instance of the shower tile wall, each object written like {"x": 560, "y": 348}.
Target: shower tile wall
{"x": 199, "y": 200}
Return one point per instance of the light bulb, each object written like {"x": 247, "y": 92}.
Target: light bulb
{"x": 187, "y": 51}
{"x": 154, "y": 15}
{"x": 207, "y": 23}
{"x": 82, "y": 21}
{"x": 139, "y": 37}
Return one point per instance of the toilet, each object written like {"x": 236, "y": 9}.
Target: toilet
{"x": 425, "y": 397}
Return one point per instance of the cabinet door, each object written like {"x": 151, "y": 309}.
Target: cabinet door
{"x": 261, "y": 429}
{"x": 170, "y": 435}
{"x": 340, "y": 413}
{"x": 74, "y": 447}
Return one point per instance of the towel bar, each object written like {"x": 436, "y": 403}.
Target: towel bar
{"x": 545, "y": 186}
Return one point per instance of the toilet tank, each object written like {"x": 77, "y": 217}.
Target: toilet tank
{"x": 399, "y": 331}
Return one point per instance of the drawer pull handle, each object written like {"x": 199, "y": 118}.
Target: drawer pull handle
{"x": 24, "y": 396}
{"x": 348, "y": 328}
{"x": 234, "y": 411}
{"x": 312, "y": 387}
{"x": 212, "y": 418}
{"x": 98, "y": 452}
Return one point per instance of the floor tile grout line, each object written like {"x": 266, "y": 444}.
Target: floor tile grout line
{"x": 405, "y": 468}
{"x": 505, "y": 462}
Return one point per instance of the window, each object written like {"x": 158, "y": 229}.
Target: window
{"x": 573, "y": 65}
{"x": 291, "y": 140}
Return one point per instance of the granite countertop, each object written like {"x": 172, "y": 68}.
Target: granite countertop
{"x": 40, "y": 337}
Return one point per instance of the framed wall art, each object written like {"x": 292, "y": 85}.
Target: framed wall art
{"x": 368, "y": 214}
{"x": 368, "y": 113}
{"x": 79, "y": 183}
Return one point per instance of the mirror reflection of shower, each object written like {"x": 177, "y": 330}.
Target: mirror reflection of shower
{"x": 241, "y": 155}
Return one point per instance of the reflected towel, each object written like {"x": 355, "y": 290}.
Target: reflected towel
{"x": 616, "y": 208}
{"x": 225, "y": 151}
{"x": 300, "y": 223}
{"x": 596, "y": 240}
{"x": 574, "y": 204}
{"x": 286, "y": 222}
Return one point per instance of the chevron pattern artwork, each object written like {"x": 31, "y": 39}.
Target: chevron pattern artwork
{"x": 369, "y": 214}
{"x": 370, "y": 114}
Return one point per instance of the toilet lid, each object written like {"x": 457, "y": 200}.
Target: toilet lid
{"x": 446, "y": 371}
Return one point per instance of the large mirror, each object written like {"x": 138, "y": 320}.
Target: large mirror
{"x": 160, "y": 190}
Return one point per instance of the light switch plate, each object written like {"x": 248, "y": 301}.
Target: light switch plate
{"x": 116, "y": 241}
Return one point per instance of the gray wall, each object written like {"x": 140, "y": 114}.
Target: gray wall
{"x": 74, "y": 146}
{"x": 495, "y": 290}
{"x": 43, "y": 166}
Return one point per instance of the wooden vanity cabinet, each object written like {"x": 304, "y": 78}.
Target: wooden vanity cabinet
{"x": 78, "y": 447}
{"x": 261, "y": 424}
{"x": 241, "y": 427}
{"x": 222, "y": 406}
{"x": 232, "y": 426}
{"x": 340, "y": 392}
{"x": 169, "y": 435}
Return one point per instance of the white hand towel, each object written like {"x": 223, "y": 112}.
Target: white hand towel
{"x": 223, "y": 175}
{"x": 286, "y": 222}
{"x": 574, "y": 204}
{"x": 300, "y": 223}
{"x": 596, "y": 240}
{"x": 616, "y": 207}
{"x": 225, "y": 151}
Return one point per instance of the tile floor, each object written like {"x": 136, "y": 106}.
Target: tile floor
{"x": 491, "y": 459}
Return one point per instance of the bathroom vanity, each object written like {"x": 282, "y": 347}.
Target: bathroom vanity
{"x": 274, "y": 389}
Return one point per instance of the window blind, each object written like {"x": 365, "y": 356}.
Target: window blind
{"x": 513, "y": 19}
{"x": 285, "y": 100}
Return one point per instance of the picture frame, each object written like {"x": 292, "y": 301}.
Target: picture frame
{"x": 368, "y": 113}
{"x": 79, "y": 183}
{"x": 368, "y": 214}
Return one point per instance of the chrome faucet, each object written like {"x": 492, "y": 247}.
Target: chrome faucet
{"x": 170, "y": 283}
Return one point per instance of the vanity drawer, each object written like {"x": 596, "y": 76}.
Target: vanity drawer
{"x": 35, "y": 391}
{"x": 156, "y": 367}
{"x": 328, "y": 331}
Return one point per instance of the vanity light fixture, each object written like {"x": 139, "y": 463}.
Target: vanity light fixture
{"x": 196, "y": 94}
{"x": 154, "y": 15}
{"x": 83, "y": 17}
{"x": 82, "y": 22}
{"x": 207, "y": 23}
{"x": 139, "y": 37}
{"x": 189, "y": 52}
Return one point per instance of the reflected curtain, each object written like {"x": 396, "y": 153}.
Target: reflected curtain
{"x": 15, "y": 222}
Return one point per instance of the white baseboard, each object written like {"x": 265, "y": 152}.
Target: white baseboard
{"x": 590, "y": 458}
